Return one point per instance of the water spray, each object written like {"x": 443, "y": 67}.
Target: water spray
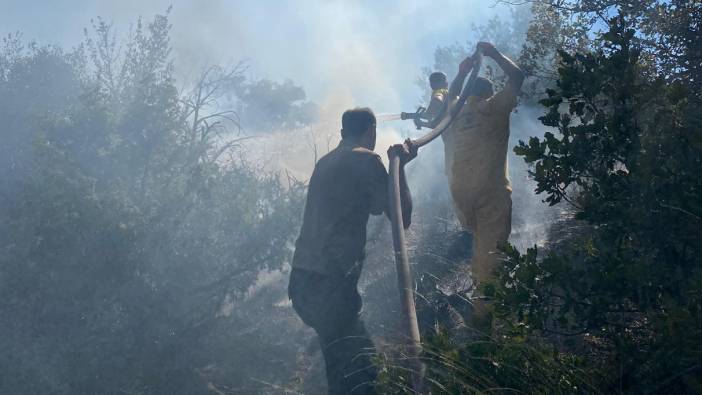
{"x": 388, "y": 117}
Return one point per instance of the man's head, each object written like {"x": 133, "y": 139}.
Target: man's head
{"x": 358, "y": 125}
{"x": 482, "y": 88}
{"x": 437, "y": 80}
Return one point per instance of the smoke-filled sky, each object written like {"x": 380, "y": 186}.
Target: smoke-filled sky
{"x": 368, "y": 51}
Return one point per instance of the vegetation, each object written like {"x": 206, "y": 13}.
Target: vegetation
{"x": 627, "y": 157}
{"x": 132, "y": 238}
{"x": 140, "y": 252}
{"x": 613, "y": 303}
{"x": 266, "y": 105}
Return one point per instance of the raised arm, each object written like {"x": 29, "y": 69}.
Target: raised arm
{"x": 515, "y": 75}
{"x": 457, "y": 85}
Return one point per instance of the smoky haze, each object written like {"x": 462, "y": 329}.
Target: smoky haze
{"x": 369, "y": 50}
{"x": 192, "y": 254}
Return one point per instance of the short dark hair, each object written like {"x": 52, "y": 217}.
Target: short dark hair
{"x": 437, "y": 80}
{"x": 356, "y": 121}
{"x": 482, "y": 87}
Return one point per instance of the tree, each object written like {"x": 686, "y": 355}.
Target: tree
{"x": 612, "y": 303}
{"x": 130, "y": 250}
{"x": 625, "y": 157}
{"x": 266, "y": 105}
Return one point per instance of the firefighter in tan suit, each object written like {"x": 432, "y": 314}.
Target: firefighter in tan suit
{"x": 476, "y": 162}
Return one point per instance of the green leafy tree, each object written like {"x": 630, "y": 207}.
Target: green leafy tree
{"x": 612, "y": 304}
{"x": 626, "y": 157}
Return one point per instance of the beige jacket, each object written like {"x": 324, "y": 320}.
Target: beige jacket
{"x": 475, "y": 145}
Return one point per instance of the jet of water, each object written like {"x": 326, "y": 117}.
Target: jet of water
{"x": 388, "y": 117}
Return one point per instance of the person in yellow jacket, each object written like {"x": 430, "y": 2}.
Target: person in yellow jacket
{"x": 475, "y": 147}
{"x": 431, "y": 117}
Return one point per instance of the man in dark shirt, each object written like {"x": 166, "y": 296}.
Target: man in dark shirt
{"x": 347, "y": 185}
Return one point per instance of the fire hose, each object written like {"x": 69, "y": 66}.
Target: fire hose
{"x": 404, "y": 273}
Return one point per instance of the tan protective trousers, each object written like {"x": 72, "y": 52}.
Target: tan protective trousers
{"x": 488, "y": 216}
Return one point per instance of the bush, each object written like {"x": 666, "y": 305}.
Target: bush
{"x": 130, "y": 246}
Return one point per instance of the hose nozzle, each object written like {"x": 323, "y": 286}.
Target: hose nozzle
{"x": 415, "y": 116}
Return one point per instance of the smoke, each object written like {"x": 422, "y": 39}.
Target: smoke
{"x": 295, "y": 152}
{"x": 344, "y": 54}
{"x": 374, "y": 50}
{"x": 531, "y": 217}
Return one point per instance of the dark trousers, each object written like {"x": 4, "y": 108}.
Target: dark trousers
{"x": 331, "y": 306}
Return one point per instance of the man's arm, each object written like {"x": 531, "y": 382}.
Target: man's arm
{"x": 457, "y": 84}
{"x": 515, "y": 75}
{"x": 406, "y": 152}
